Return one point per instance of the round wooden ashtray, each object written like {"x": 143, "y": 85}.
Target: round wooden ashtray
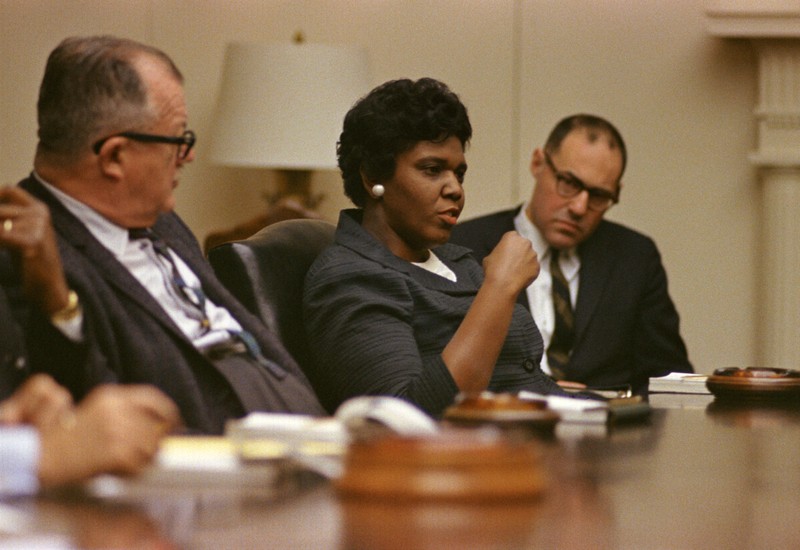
{"x": 755, "y": 384}
{"x": 503, "y": 410}
{"x": 496, "y": 402}
{"x": 457, "y": 464}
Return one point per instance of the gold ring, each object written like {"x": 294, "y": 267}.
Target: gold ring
{"x": 8, "y": 224}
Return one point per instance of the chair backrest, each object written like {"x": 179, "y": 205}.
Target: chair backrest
{"x": 266, "y": 272}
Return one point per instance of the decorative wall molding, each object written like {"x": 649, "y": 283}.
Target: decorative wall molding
{"x": 773, "y": 27}
{"x": 778, "y": 110}
{"x": 754, "y": 19}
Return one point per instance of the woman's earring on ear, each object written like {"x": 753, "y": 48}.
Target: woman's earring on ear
{"x": 378, "y": 190}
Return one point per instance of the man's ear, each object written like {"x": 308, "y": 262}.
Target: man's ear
{"x": 111, "y": 158}
{"x": 537, "y": 162}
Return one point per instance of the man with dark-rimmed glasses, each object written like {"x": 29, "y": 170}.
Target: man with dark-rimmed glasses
{"x": 113, "y": 138}
{"x": 601, "y": 299}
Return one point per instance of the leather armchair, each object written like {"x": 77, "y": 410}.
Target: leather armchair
{"x": 266, "y": 272}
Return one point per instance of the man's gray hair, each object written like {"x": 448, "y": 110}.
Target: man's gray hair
{"x": 91, "y": 89}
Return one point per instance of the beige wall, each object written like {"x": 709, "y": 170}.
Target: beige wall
{"x": 682, "y": 99}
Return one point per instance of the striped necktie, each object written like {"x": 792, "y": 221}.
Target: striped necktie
{"x": 193, "y": 297}
{"x": 564, "y": 331}
{"x": 195, "y": 300}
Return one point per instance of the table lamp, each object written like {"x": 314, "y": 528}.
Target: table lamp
{"x": 281, "y": 106}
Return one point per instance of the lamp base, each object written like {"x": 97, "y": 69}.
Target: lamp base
{"x": 292, "y": 199}
{"x": 296, "y": 185}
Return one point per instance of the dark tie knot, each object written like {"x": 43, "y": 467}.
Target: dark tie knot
{"x": 555, "y": 269}
{"x": 138, "y": 233}
{"x": 555, "y": 257}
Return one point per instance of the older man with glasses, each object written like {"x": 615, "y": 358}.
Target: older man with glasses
{"x": 601, "y": 299}
{"x": 112, "y": 142}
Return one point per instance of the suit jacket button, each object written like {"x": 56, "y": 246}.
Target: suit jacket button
{"x": 529, "y": 365}
{"x": 20, "y": 363}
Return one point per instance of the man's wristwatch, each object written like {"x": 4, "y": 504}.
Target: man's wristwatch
{"x": 69, "y": 311}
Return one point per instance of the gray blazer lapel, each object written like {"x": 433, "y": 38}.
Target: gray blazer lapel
{"x": 351, "y": 235}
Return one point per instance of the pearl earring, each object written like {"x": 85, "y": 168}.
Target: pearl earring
{"x": 378, "y": 190}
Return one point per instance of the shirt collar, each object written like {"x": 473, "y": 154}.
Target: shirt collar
{"x": 525, "y": 227}
{"x": 569, "y": 260}
{"x": 110, "y": 235}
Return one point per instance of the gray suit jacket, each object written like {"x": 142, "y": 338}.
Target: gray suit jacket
{"x": 133, "y": 339}
{"x": 626, "y": 326}
{"x": 377, "y": 324}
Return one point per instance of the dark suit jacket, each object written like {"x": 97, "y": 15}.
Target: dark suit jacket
{"x": 626, "y": 326}
{"x": 18, "y": 322}
{"x": 135, "y": 341}
{"x": 13, "y": 358}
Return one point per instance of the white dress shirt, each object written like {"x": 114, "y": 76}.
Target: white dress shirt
{"x": 437, "y": 266}
{"x": 540, "y": 297}
{"x": 142, "y": 261}
{"x": 19, "y": 460}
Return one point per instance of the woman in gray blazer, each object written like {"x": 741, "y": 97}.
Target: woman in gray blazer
{"x": 391, "y": 308}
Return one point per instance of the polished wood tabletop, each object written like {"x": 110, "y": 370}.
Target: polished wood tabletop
{"x": 696, "y": 474}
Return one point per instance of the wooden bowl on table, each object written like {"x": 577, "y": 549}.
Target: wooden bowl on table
{"x": 504, "y": 410}
{"x": 754, "y": 384}
{"x": 454, "y": 465}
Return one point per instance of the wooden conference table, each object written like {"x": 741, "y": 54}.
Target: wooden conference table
{"x": 695, "y": 475}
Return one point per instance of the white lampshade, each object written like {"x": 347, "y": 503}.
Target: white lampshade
{"x": 282, "y": 105}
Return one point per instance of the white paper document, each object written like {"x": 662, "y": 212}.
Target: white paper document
{"x": 679, "y": 382}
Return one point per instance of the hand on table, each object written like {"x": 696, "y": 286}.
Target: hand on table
{"x": 115, "y": 429}
{"x": 40, "y": 401}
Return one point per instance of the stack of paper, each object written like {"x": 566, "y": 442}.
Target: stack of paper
{"x": 295, "y": 431}
{"x": 315, "y": 443}
{"x": 320, "y": 443}
{"x": 679, "y": 382}
{"x": 202, "y": 464}
{"x": 590, "y": 411}
{"x": 572, "y": 409}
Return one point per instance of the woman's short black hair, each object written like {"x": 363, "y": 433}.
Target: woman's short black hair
{"x": 390, "y": 120}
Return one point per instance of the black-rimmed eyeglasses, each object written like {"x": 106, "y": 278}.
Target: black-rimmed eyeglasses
{"x": 569, "y": 186}
{"x": 185, "y": 142}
